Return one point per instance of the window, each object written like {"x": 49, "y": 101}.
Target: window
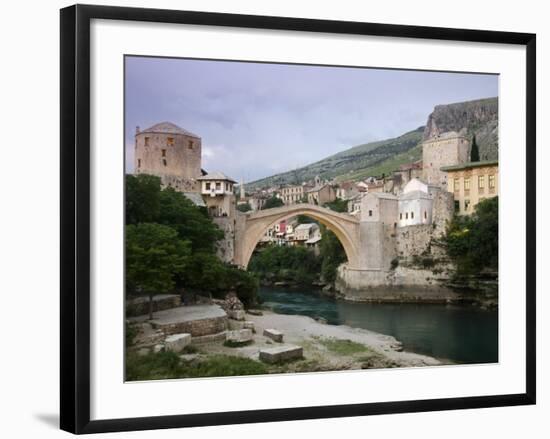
{"x": 457, "y": 205}
{"x": 218, "y": 185}
{"x": 207, "y": 186}
{"x": 370, "y": 212}
{"x": 456, "y": 185}
{"x": 412, "y": 215}
{"x": 227, "y": 186}
{"x": 481, "y": 182}
{"x": 169, "y": 141}
{"x": 146, "y": 141}
{"x": 164, "y": 162}
{"x": 190, "y": 144}
{"x": 164, "y": 153}
{"x": 425, "y": 215}
{"x": 401, "y": 216}
{"x": 406, "y": 215}
{"x": 466, "y": 205}
{"x": 139, "y": 163}
{"x": 467, "y": 184}
{"x": 492, "y": 181}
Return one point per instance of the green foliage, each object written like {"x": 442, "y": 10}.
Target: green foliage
{"x": 273, "y": 202}
{"x": 338, "y": 205}
{"x": 472, "y": 241}
{"x": 154, "y": 256}
{"x": 205, "y": 272}
{"x": 288, "y": 263}
{"x": 332, "y": 255}
{"x": 474, "y": 153}
{"x": 168, "y": 365}
{"x": 191, "y": 222}
{"x": 130, "y": 333}
{"x": 244, "y": 207}
{"x": 394, "y": 263}
{"x": 169, "y": 222}
{"x": 142, "y": 198}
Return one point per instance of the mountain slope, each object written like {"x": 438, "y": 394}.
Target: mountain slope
{"x": 479, "y": 117}
{"x": 344, "y": 164}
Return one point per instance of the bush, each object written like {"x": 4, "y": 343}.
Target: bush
{"x": 472, "y": 241}
{"x": 168, "y": 365}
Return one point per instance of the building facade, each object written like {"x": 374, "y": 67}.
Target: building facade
{"x": 217, "y": 191}
{"x": 471, "y": 183}
{"x": 320, "y": 195}
{"x": 171, "y": 153}
{"x": 293, "y": 194}
{"x": 447, "y": 149}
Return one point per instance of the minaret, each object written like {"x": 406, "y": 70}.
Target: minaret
{"x": 241, "y": 188}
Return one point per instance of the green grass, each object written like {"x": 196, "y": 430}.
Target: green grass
{"x": 168, "y": 365}
{"x": 343, "y": 347}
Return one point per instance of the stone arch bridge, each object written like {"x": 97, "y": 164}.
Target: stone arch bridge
{"x": 251, "y": 227}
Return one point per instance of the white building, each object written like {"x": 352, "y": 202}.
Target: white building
{"x": 217, "y": 192}
{"x": 415, "y": 204}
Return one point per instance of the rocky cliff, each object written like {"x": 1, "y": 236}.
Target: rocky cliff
{"x": 478, "y": 117}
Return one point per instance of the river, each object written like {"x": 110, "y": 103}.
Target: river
{"x": 459, "y": 333}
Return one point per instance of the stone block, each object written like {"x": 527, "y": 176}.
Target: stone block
{"x": 274, "y": 335}
{"x": 239, "y": 336}
{"x": 236, "y": 314}
{"x": 247, "y": 324}
{"x": 177, "y": 342}
{"x": 255, "y": 312}
{"x": 158, "y": 347}
{"x": 281, "y": 354}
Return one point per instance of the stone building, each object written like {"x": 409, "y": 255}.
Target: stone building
{"x": 217, "y": 192}
{"x": 321, "y": 194}
{"x": 346, "y": 190}
{"x": 171, "y": 153}
{"x": 471, "y": 183}
{"x": 447, "y": 149}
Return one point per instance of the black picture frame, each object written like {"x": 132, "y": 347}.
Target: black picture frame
{"x": 75, "y": 217}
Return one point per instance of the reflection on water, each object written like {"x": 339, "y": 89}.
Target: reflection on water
{"x": 460, "y": 333}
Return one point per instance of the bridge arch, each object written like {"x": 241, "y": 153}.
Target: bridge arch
{"x": 254, "y": 226}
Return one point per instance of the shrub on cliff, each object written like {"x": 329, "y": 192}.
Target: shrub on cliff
{"x": 472, "y": 240}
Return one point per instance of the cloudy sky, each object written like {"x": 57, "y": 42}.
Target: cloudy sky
{"x": 256, "y": 120}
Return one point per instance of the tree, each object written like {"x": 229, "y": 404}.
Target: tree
{"x": 474, "y": 154}
{"x": 472, "y": 240}
{"x": 244, "y": 207}
{"x": 191, "y": 222}
{"x": 273, "y": 202}
{"x": 332, "y": 253}
{"x": 142, "y": 198}
{"x": 338, "y": 205}
{"x": 154, "y": 257}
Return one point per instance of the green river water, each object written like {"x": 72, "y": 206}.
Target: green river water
{"x": 459, "y": 333}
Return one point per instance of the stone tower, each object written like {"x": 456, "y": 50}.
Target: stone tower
{"x": 171, "y": 153}
{"x": 241, "y": 190}
{"x": 447, "y": 149}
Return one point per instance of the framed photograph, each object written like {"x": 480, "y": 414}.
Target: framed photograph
{"x": 275, "y": 218}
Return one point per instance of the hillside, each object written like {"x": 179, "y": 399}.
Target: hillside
{"x": 348, "y": 163}
{"x": 479, "y": 117}
{"x": 475, "y": 117}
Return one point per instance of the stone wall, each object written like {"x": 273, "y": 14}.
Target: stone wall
{"x": 225, "y": 248}
{"x": 413, "y": 240}
{"x": 439, "y": 152}
{"x": 140, "y": 305}
{"x": 196, "y": 328}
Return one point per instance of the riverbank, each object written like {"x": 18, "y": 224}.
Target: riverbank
{"x": 330, "y": 347}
